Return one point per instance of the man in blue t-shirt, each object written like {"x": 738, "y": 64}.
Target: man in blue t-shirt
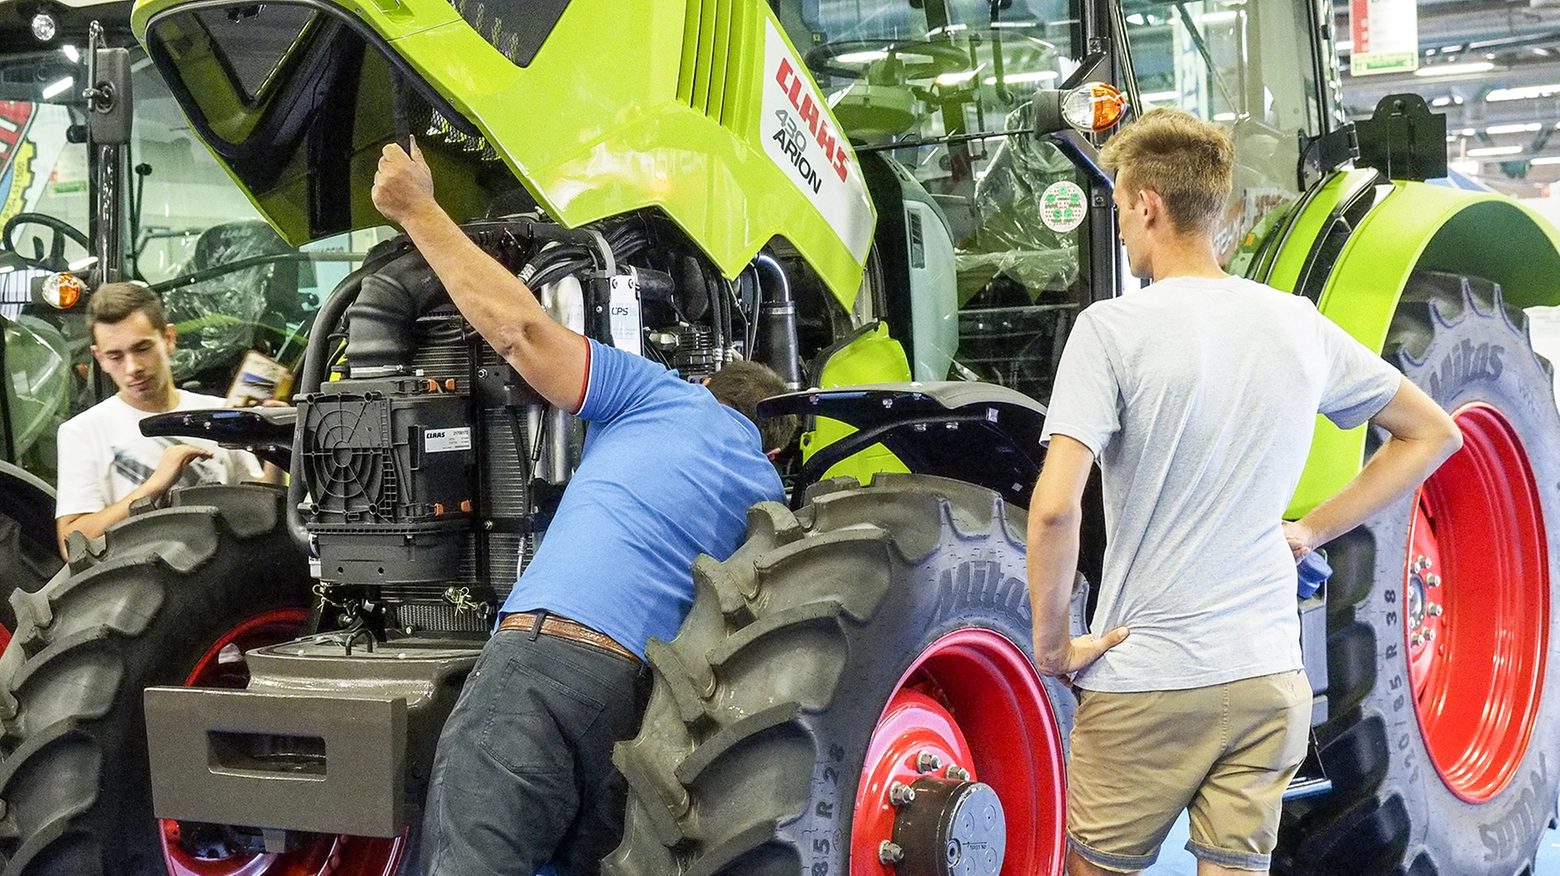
{"x": 523, "y": 776}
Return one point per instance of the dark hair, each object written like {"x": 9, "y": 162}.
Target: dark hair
{"x": 743, "y": 385}
{"x": 1188, "y": 161}
{"x": 115, "y": 302}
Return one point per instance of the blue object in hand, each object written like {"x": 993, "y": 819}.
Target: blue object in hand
{"x": 1313, "y": 571}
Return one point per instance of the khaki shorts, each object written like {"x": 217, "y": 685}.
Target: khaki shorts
{"x": 1226, "y": 752}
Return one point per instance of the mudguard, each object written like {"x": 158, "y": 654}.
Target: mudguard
{"x": 1389, "y": 232}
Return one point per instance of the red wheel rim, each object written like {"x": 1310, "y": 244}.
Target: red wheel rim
{"x": 222, "y": 666}
{"x": 971, "y": 700}
{"x": 5, "y": 639}
{"x": 1476, "y": 607}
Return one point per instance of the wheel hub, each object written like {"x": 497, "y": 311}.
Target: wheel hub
{"x": 948, "y": 828}
{"x": 967, "y": 728}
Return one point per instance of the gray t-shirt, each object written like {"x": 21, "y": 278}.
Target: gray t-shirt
{"x": 1199, "y": 397}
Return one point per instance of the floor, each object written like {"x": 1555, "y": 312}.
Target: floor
{"x": 1174, "y": 860}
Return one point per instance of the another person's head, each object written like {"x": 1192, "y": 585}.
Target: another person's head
{"x": 132, "y": 342}
{"x": 742, "y": 385}
{"x": 1169, "y": 165}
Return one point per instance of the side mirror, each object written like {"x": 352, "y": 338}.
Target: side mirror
{"x": 1091, "y": 107}
{"x": 108, "y": 98}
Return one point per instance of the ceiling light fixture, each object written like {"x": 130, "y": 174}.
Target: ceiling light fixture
{"x": 44, "y": 27}
{"x": 1492, "y": 151}
{"x": 1546, "y": 159}
{"x": 1512, "y": 129}
{"x": 1526, "y": 92}
{"x": 1455, "y": 69}
{"x": 58, "y": 87}
{"x": 1030, "y": 76}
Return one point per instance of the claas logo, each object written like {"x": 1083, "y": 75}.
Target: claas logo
{"x": 812, "y": 116}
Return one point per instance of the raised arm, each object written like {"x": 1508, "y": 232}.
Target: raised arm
{"x": 551, "y": 358}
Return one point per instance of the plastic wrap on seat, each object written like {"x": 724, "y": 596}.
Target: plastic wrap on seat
{"x": 1009, "y": 237}
{"x": 219, "y": 318}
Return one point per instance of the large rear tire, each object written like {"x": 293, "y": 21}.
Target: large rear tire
{"x": 1444, "y": 739}
{"x": 880, "y": 636}
{"x": 169, "y": 596}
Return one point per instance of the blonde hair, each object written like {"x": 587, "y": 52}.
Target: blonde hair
{"x": 1187, "y": 161}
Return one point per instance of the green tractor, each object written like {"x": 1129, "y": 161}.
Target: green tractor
{"x": 895, "y": 204}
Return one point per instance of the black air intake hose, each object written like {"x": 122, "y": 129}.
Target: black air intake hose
{"x": 382, "y": 320}
{"x": 777, "y": 325}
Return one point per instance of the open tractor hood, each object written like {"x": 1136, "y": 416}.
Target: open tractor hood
{"x": 588, "y": 108}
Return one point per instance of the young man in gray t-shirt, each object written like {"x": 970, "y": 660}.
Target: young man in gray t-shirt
{"x": 1197, "y": 396}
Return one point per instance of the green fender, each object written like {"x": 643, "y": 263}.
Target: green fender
{"x": 870, "y": 357}
{"x": 1412, "y": 226}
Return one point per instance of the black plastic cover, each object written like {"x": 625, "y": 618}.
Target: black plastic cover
{"x": 265, "y": 432}
{"x": 977, "y": 432}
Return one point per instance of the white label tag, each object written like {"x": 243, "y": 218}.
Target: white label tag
{"x": 623, "y": 303}
{"x": 1063, "y": 206}
{"x": 800, "y": 138}
{"x": 446, "y": 440}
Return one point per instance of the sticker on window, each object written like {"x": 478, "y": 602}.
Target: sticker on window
{"x": 1063, "y": 206}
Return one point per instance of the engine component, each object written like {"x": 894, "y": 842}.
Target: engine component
{"x": 389, "y": 464}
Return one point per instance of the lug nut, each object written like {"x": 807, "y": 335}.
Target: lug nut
{"x": 1432, "y": 580}
{"x": 1433, "y": 609}
{"x": 1429, "y": 635}
{"x": 900, "y": 794}
{"x": 1421, "y": 563}
{"x": 1416, "y": 640}
{"x": 890, "y": 852}
{"x": 926, "y": 762}
{"x": 957, "y": 773}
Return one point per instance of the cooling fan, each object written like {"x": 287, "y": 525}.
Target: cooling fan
{"x": 350, "y": 461}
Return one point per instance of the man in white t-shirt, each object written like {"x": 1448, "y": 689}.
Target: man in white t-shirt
{"x": 105, "y": 462}
{"x": 1198, "y": 397}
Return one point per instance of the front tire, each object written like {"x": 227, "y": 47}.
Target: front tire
{"x": 171, "y": 596}
{"x": 880, "y": 636}
{"x": 1444, "y": 738}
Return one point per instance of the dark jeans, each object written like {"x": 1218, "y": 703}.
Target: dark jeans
{"x": 523, "y": 777}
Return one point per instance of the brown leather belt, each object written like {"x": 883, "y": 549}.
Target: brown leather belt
{"x": 563, "y": 628}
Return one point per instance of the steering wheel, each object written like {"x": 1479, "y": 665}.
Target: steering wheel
{"x": 921, "y": 59}
{"x": 60, "y": 230}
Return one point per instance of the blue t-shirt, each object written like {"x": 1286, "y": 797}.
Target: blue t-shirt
{"x": 667, "y": 473}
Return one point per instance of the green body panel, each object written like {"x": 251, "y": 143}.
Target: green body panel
{"x": 872, "y": 357}
{"x": 1415, "y": 226}
{"x": 1306, "y": 226}
{"x": 629, "y": 106}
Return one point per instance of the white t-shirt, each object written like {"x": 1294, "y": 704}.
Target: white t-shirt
{"x": 1199, "y": 397}
{"x": 104, "y": 456}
